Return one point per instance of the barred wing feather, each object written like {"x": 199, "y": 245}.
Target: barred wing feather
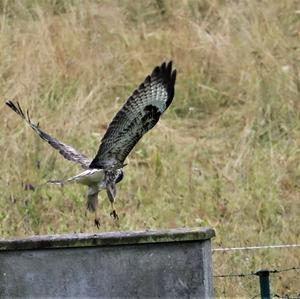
{"x": 138, "y": 115}
{"x": 65, "y": 150}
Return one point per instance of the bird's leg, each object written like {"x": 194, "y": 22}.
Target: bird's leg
{"x": 111, "y": 193}
{"x": 92, "y": 203}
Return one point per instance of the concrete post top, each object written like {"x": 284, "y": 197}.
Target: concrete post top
{"x": 108, "y": 239}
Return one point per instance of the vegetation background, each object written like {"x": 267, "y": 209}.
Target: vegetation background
{"x": 226, "y": 154}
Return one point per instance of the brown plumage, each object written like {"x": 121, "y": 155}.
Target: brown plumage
{"x": 139, "y": 114}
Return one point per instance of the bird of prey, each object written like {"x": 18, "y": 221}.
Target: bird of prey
{"x": 138, "y": 115}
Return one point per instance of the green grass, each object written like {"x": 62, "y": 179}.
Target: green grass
{"x": 226, "y": 153}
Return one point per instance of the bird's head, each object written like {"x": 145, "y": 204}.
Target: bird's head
{"x": 112, "y": 177}
{"x": 120, "y": 175}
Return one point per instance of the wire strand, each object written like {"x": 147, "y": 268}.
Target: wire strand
{"x": 284, "y": 270}
{"x": 256, "y": 247}
{"x": 274, "y": 271}
{"x": 234, "y": 275}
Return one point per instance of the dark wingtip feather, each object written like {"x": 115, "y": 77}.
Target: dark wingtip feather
{"x": 15, "y": 108}
{"x": 163, "y": 66}
{"x": 155, "y": 72}
{"x": 10, "y": 104}
{"x": 28, "y": 117}
{"x": 173, "y": 77}
{"x": 169, "y": 67}
{"x": 165, "y": 70}
{"x": 170, "y": 81}
{"x": 20, "y": 110}
{"x": 147, "y": 80}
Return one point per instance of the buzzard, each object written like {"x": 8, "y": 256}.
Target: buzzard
{"x": 138, "y": 115}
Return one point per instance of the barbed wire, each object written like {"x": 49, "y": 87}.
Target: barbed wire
{"x": 256, "y": 247}
{"x": 284, "y": 270}
{"x": 258, "y": 273}
{"x": 286, "y": 296}
{"x": 274, "y": 271}
{"x": 234, "y": 275}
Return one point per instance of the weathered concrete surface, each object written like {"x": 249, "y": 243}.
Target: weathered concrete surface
{"x": 165, "y": 264}
{"x": 109, "y": 238}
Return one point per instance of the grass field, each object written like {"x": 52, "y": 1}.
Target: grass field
{"x": 226, "y": 154}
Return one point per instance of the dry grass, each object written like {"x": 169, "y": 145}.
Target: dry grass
{"x": 226, "y": 154}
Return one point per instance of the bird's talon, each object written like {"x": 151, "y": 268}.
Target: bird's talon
{"x": 114, "y": 215}
{"x": 97, "y": 222}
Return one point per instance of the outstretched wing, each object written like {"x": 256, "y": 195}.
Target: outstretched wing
{"x": 66, "y": 151}
{"x": 138, "y": 115}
